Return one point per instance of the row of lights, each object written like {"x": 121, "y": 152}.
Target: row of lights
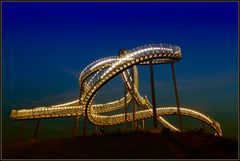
{"x": 133, "y": 54}
{"x": 105, "y": 60}
{"x": 47, "y": 109}
{"x": 66, "y": 104}
{"x": 174, "y": 108}
{"x": 198, "y": 113}
{"x": 99, "y": 60}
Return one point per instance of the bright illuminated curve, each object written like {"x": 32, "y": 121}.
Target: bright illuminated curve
{"x": 98, "y": 73}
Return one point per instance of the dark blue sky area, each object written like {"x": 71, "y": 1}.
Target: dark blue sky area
{"x": 46, "y": 45}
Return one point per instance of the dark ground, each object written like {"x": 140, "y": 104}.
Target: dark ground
{"x": 120, "y": 146}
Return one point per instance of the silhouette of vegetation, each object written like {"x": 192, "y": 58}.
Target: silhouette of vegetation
{"x": 164, "y": 132}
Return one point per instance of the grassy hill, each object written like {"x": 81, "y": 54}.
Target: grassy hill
{"x": 134, "y": 145}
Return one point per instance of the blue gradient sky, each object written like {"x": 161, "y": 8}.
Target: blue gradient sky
{"x": 46, "y": 45}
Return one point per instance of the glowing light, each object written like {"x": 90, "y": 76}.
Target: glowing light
{"x": 98, "y": 72}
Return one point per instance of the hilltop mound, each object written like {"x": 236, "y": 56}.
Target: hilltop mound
{"x": 120, "y": 146}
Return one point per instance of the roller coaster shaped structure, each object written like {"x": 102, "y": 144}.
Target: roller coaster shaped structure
{"x": 98, "y": 73}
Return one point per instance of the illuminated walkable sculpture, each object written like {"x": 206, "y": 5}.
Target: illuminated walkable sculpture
{"x": 100, "y": 72}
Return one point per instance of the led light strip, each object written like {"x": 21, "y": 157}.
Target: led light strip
{"x": 101, "y": 71}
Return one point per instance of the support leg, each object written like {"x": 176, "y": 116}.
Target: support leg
{"x": 22, "y": 124}
{"x": 125, "y": 105}
{"x": 74, "y": 128}
{"x": 143, "y": 125}
{"x": 95, "y": 130}
{"x": 203, "y": 126}
{"x": 153, "y": 96}
{"x": 134, "y": 111}
{"x": 85, "y": 126}
{"x": 36, "y": 129}
{"x": 77, "y": 125}
{"x": 177, "y": 100}
{"x": 133, "y": 101}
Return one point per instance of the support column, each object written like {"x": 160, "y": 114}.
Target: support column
{"x": 153, "y": 96}
{"x": 22, "y": 124}
{"x": 76, "y": 126}
{"x": 78, "y": 117}
{"x": 203, "y": 126}
{"x": 177, "y": 100}
{"x": 133, "y": 101}
{"x": 125, "y": 105}
{"x": 85, "y": 124}
{"x": 135, "y": 80}
{"x": 95, "y": 130}
{"x": 143, "y": 125}
{"x": 134, "y": 111}
{"x": 36, "y": 129}
{"x": 85, "y": 112}
{"x": 143, "y": 121}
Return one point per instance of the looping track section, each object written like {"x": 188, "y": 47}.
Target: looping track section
{"x": 100, "y": 72}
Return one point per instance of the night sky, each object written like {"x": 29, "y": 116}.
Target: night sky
{"x": 46, "y": 45}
